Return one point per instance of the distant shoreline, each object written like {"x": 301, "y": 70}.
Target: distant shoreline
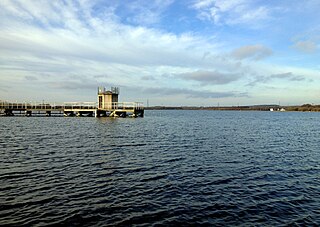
{"x": 302, "y": 108}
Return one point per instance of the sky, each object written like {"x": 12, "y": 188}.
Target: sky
{"x": 161, "y": 52}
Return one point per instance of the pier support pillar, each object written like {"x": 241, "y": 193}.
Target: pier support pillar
{"x": 28, "y": 113}
{"x": 68, "y": 113}
{"x": 8, "y": 112}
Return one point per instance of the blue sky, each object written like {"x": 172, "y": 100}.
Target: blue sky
{"x": 169, "y": 52}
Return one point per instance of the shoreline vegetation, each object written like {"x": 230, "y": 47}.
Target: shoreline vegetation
{"x": 302, "y": 108}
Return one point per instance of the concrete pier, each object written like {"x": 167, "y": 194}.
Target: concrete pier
{"x": 75, "y": 109}
{"x": 107, "y": 106}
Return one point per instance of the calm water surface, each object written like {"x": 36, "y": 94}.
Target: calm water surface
{"x": 170, "y": 168}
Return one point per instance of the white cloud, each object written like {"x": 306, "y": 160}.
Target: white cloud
{"x": 201, "y": 4}
{"x": 231, "y": 11}
{"x": 142, "y": 12}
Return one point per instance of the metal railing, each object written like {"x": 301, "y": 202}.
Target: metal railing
{"x": 122, "y": 106}
{"x": 29, "y": 106}
{"x": 80, "y": 105}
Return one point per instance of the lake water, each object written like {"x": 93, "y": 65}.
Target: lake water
{"x": 170, "y": 168}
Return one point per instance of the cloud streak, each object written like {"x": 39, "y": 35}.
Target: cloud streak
{"x": 307, "y": 46}
{"x": 189, "y": 93}
{"x": 145, "y": 12}
{"x": 210, "y": 77}
{"x": 230, "y": 12}
{"x": 288, "y": 76}
{"x": 254, "y": 52}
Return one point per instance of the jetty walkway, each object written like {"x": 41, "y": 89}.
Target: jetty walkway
{"x": 69, "y": 109}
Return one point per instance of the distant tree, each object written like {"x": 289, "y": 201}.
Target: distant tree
{"x": 306, "y": 105}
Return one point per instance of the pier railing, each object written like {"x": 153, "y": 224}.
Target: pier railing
{"x": 79, "y": 105}
{"x": 122, "y": 106}
{"x": 30, "y": 106}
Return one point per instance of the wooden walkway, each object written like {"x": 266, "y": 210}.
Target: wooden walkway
{"x": 116, "y": 109}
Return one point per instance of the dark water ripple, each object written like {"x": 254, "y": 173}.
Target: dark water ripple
{"x": 169, "y": 168}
